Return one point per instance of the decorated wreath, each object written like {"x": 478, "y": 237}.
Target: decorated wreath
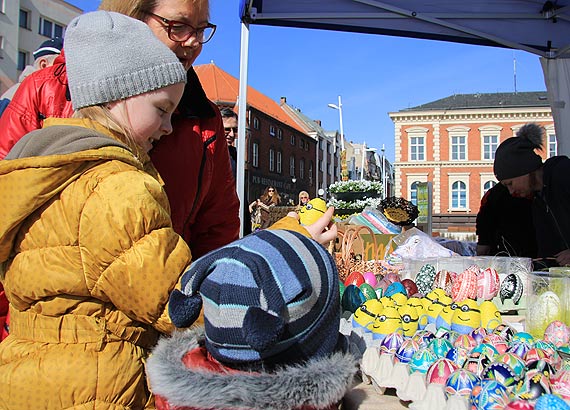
{"x": 399, "y": 210}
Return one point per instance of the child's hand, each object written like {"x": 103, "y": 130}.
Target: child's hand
{"x": 323, "y": 230}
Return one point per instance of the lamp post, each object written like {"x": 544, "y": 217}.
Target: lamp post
{"x": 339, "y": 108}
{"x": 364, "y": 151}
{"x": 383, "y": 173}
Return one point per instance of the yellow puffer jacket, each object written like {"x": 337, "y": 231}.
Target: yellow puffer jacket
{"x": 88, "y": 258}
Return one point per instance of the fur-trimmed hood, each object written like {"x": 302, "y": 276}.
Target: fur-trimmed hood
{"x": 317, "y": 383}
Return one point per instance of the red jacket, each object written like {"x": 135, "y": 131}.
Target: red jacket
{"x": 193, "y": 161}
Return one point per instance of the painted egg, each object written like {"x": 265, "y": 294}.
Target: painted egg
{"x": 381, "y": 288}
{"x": 505, "y": 331}
{"x": 550, "y": 402}
{"x": 465, "y": 286}
{"x": 391, "y": 343}
{"x": 440, "y": 370}
{"x": 365, "y": 315}
{"x": 341, "y": 288}
{"x": 410, "y": 286}
{"x": 476, "y": 362}
{"x": 511, "y": 288}
{"x": 534, "y": 354}
{"x": 422, "y": 360}
{"x": 557, "y": 333}
{"x": 443, "y": 280}
{"x": 490, "y": 315}
{"x": 478, "y": 334}
{"x": 539, "y": 366}
{"x": 440, "y": 347}
{"x": 531, "y": 388}
{"x": 488, "y": 284}
{"x": 392, "y": 277}
{"x": 461, "y": 382}
{"x": 355, "y": 278}
{"x": 514, "y": 362}
{"x": 548, "y": 347}
{"x": 546, "y": 308}
{"x": 497, "y": 342}
{"x": 370, "y": 278}
{"x": 395, "y": 287}
{"x": 465, "y": 341}
{"x": 473, "y": 269}
{"x": 500, "y": 372}
{"x": 523, "y": 337}
{"x": 406, "y": 350}
{"x": 519, "y": 404}
{"x": 486, "y": 349}
{"x": 424, "y": 278}
{"x": 489, "y": 395}
{"x": 368, "y": 291}
{"x": 423, "y": 337}
{"x": 519, "y": 348}
{"x": 352, "y": 298}
{"x": 458, "y": 355}
{"x": 560, "y": 384}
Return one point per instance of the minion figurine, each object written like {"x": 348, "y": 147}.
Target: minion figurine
{"x": 443, "y": 321}
{"x": 422, "y": 318}
{"x": 387, "y": 322}
{"x": 367, "y": 313}
{"x": 309, "y": 213}
{"x": 409, "y": 317}
{"x": 490, "y": 315}
{"x": 466, "y": 317}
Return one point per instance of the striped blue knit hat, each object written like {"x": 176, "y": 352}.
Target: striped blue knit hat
{"x": 271, "y": 297}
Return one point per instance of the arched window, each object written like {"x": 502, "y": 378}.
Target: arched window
{"x": 459, "y": 195}
{"x": 414, "y": 192}
{"x": 488, "y": 185}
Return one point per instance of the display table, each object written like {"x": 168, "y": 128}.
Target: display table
{"x": 365, "y": 397}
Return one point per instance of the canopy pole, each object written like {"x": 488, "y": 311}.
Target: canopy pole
{"x": 243, "y": 137}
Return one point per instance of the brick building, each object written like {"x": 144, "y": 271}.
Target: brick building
{"x": 451, "y": 143}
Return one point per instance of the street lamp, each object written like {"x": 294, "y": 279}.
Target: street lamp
{"x": 364, "y": 151}
{"x": 383, "y": 172}
{"x": 339, "y": 108}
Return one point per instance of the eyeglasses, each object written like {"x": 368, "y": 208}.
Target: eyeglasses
{"x": 229, "y": 129}
{"x": 180, "y": 32}
{"x": 270, "y": 190}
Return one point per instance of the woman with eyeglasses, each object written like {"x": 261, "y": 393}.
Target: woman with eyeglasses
{"x": 259, "y": 209}
{"x": 194, "y": 161}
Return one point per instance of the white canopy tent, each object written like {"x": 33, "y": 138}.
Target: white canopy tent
{"x": 538, "y": 27}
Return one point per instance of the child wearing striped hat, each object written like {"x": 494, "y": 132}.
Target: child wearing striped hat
{"x": 271, "y": 330}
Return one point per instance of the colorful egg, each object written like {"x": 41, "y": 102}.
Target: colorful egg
{"x": 514, "y": 362}
{"x": 497, "y": 342}
{"x": 355, "y": 278}
{"x": 368, "y": 291}
{"x": 500, "y": 372}
{"x": 519, "y": 348}
{"x": 458, "y": 355}
{"x": 486, "y": 349}
{"x": 425, "y": 278}
{"x": 341, "y": 288}
{"x": 464, "y": 286}
{"x": 443, "y": 280}
{"x": 523, "y": 337}
{"x": 391, "y": 277}
{"x": 488, "y": 284}
{"x": 410, "y": 286}
{"x": 381, "y": 288}
{"x": 519, "y": 404}
{"x": 557, "y": 333}
{"x": 395, "y": 287}
{"x": 440, "y": 370}
{"x": 465, "y": 341}
{"x": 391, "y": 343}
{"x": 423, "y": 337}
{"x": 473, "y": 269}
{"x": 370, "y": 278}
{"x": 511, "y": 288}
{"x": 560, "y": 384}
{"x": 352, "y": 298}
{"x": 539, "y": 366}
{"x": 440, "y": 347}
{"x": 505, "y": 331}
{"x": 490, "y": 315}
{"x": 478, "y": 334}
{"x": 531, "y": 388}
{"x": 550, "y": 402}
{"x": 534, "y": 354}
{"x": 546, "y": 308}
{"x": 422, "y": 360}
{"x": 461, "y": 382}
{"x": 489, "y": 395}
{"x": 476, "y": 362}
{"x": 406, "y": 350}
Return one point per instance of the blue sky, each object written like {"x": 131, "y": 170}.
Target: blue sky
{"x": 373, "y": 74}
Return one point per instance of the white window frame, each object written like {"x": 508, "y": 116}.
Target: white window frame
{"x": 490, "y": 131}
{"x": 279, "y": 162}
{"x": 255, "y": 154}
{"x": 26, "y": 56}
{"x": 486, "y": 178}
{"x": 271, "y": 160}
{"x": 279, "y": 134}
{"x": 272, "y": 130}
{"x": 458, "y": 137}
{"x": 255, "y": 123}
{"x": 28, "y": 23}
{"x": 551, "y": 141}
{"x": 411, "y": 178}
{"x": 52, "y": 32}
{"x": 456, "y": 178}
{"x": 417, "y": 139}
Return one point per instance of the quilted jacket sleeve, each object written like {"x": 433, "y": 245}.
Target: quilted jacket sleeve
{"x": 132, "y": 257}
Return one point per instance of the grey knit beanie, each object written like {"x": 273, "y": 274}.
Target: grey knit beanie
{"x": 110, "y": 56}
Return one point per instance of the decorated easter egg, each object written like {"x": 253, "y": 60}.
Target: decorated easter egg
{"x": 519, "y": 404}
{"x": 422, "y": 360}
{"x": 543, "y": 311}
{"x": 523, "y": 337}
{"x": 352, "y": 298}
{"x": 395, "y": 287}
{"x": 511, "y": 288}
{"x": 410, "y": 286}
{"x": 490, "y": 315}
{"x": 531, "y": 388}
{"x": 478, "y": 334}
{"x": 440, "y": 370}
{"x": 409, "y": 317}
{"x": 368, "y": 291}
{"x": 464, "y": 286}
{"x": 406, "y": 350}
{"x": 519, "y": 348}
{"x": 391, "y": 343}
{"x": 488, "y": 284}
{"x": 365, "y": 315}
{"x": 489, "y": 395}
{"x": 534, "y": 354}
{"x": 486, "y": 349}
{"x": 423, "y": 337}
{"x": 500, "y": 372}
{"x": 465, "y": 341}
{"x": 548, "y": 347}
{"x": 505, "y": 331}
{"x": 443, "y": 280}
{"x": 341, "y": 288}
{"x": 381, "y": 288}
{"x": 514, "y": 362}
{"x": 391, "y": 277}
{"x": 497, "y": 342}
{"x": 557, "y": 333}
{"x": 458, "y": 355}
{"x": 461, "y": 382}
{"x": 473, "y": 269}
{"x": 560, "y": 384}
{"x": 370, "y": 278}
{"x": 466, "y": 317}
{"x": 550, "y": 402}
{"x": 425, "y": 278}
{"x": 387, "y": 322}
{"x": 476, "y": 362}
{"x": 440, "y": 347}
{"x": 354, "y": 278}
{"x": 539, "y": 366}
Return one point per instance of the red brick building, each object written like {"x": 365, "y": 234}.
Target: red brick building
{"x": 451, "y": 143}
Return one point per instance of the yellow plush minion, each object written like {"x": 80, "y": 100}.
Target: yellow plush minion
{"x": 367, "y": 313}
{"x": 314, "y": 209}
{"x": 387, "y": 322}
{"x": 409, "y": 316}
{"x": 466, "y": 317}
{"x": 490, "y": 315}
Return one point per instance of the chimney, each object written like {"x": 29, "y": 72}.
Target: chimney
{"x": 283, "y": 100}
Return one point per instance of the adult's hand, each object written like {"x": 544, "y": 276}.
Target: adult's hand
{"x": 323, "y": 230}
{"x": 563, "y": 258}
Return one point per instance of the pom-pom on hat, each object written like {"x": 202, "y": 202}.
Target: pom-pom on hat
{"x": 110, "y": 57}
{"x": 270, "y": 298}
{"x": 49, "y": 47}
{"x": 515, "y": 156}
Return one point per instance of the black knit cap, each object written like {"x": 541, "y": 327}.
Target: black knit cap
{"x": 516, "y": 156}
{"x": 49, "y": 47}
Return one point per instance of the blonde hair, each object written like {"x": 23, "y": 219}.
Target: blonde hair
{"x": 139, "y": 9}
{"x": 102, "y": 115}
